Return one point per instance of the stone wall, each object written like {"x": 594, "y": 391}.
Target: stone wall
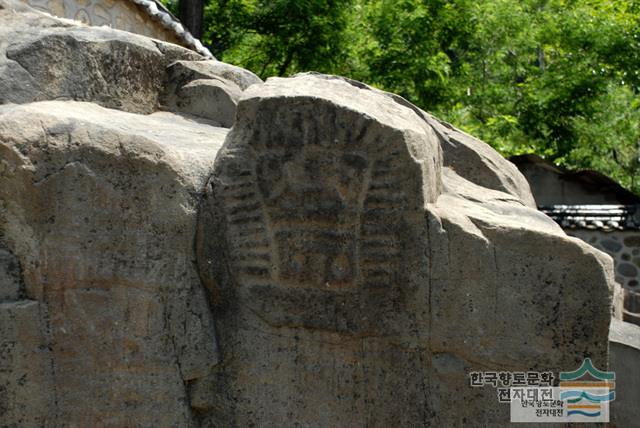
{"x": 623, "y": 247}
{"x": 122, "y": 15}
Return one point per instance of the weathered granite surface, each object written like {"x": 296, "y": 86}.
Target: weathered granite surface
{"x": 623, "y": 247}
{"x": 337, "y": 258}
{"x": 99, "y": 207}
{"x": 208, "y": 89}
{"x": 45, "y": 58}
{"x": 357, "y": 280}
{"x": 624, "y": 344}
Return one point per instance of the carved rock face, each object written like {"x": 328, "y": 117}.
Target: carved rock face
{"x": 356, "y": 273}
{"x": 344, "y": 269}
{"x": 321, "y": 213}
{"x": 318, "y": 199}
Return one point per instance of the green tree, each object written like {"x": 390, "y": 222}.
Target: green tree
{"x": 556, "y": 77}
{"x": 278, "y": 37}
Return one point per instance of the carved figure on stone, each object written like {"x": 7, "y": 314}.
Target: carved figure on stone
{"x": 217, "y": 251}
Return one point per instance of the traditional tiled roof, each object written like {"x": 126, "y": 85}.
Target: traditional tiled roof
{"x": 592, "y": 182}
{"x": 158, "y": 12}
{"x": 600, "y": 217}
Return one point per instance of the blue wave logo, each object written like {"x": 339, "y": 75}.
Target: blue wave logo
{"x": 571, "y": 395}
{"x": 583, "y": 413}
{"x": 586, "y": 397}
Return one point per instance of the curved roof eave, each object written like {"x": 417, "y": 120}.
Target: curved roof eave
{"x": 158, "y": 12}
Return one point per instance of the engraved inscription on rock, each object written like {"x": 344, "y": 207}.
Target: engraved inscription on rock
{"x": 333, "y": 205}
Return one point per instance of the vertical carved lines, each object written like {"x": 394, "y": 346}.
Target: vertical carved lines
{"x": 311, "y": 196}
{"x": 326, "y": 210}
{"x": 250, "y": 250}
{"x": 383, "y": 207}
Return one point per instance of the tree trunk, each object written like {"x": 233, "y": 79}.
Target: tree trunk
{"x": 191, "y": 16}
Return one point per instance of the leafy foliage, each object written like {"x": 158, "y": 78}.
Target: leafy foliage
{"x": 278, "y": 37}
{"x": 556, "y": 77}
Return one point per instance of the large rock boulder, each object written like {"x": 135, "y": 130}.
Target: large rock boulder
{"x": 46, "y": 58}
{"x": 357, "y": 281}
{"x": 107, "y": 318}
{"x": 208, "y": 89}
{"x": 337, "y": 258}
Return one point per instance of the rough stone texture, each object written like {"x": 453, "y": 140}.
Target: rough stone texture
{"x": 100, "y": 208}
{"x": 291, "y": 184}
{"x": 208, "y": 89}
{"x": 123, "y": 15}
{"x": 356, "y": 280}
{"x": 26, "y": 373}
{"x": 346, "y": 260}
{"x": 10, "y": 275}
{"x": 480, "y": 164}
{"x": 213, "y": 99}
{"x": 44, "y": 58}
{"x": 623, "y": 246}
{"x": 624, "y": 343}
{"x": 181, "y": 72}
{"x": 471, "y": 158}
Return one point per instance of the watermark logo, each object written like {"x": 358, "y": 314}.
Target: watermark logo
{"x": 583, "y": 395}
{"x": 587, "y": 392}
